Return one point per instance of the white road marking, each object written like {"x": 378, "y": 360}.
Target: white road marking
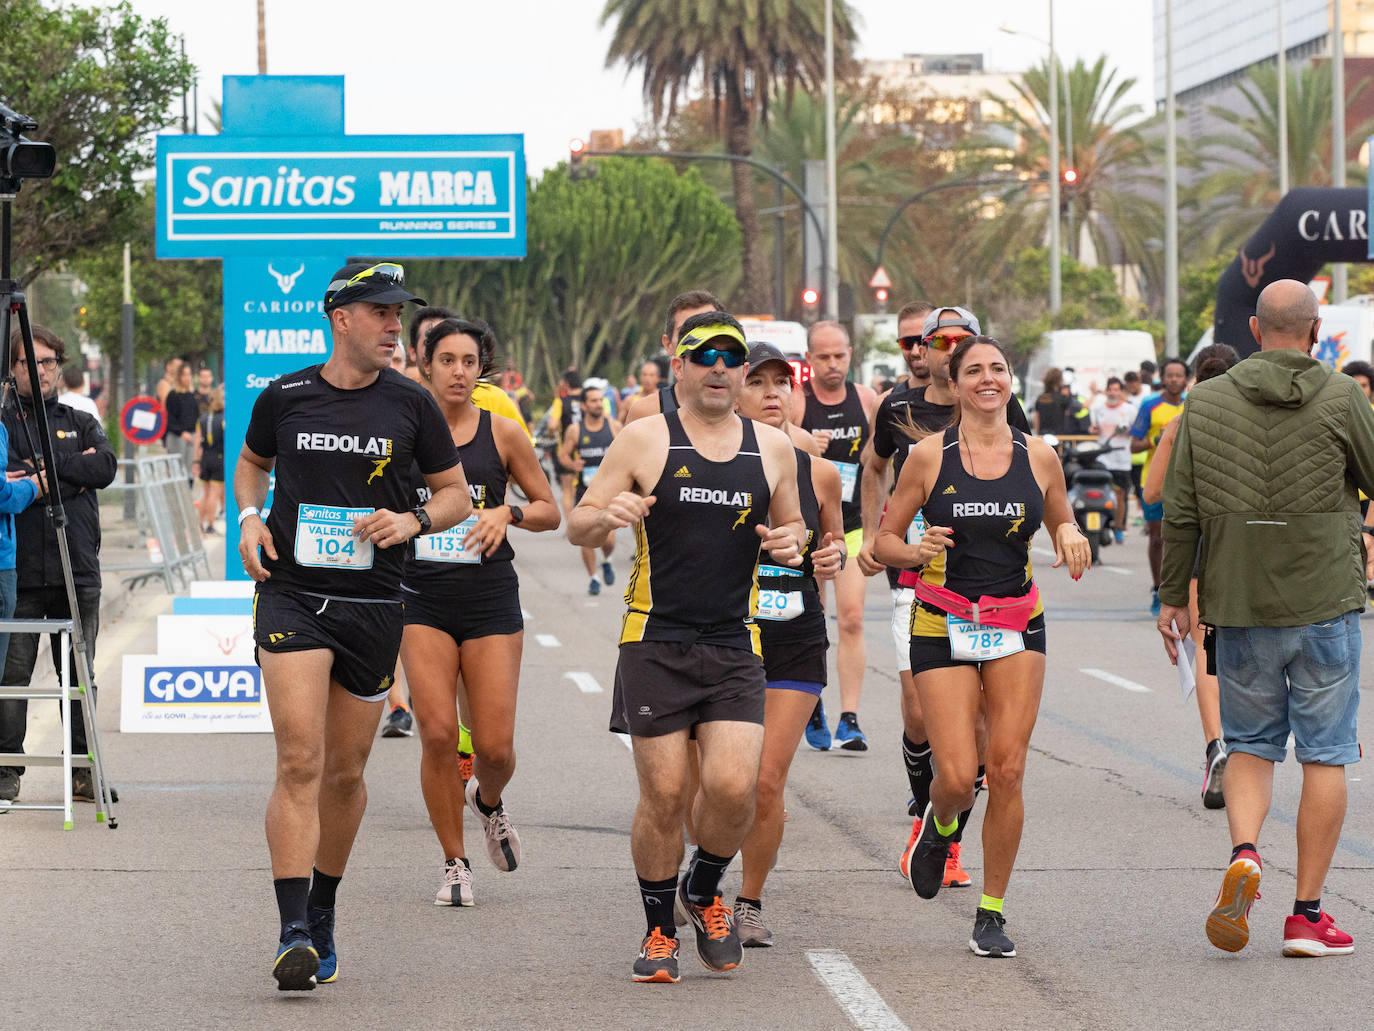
{"x": 861, "y": 1003}
{"x": 525, "y": 614}
{"x": 548, "y": 640}
{"x": 586, "y": 683}
{"x": 1043, "y": 552}
{"x": 1048, "y": 553}
{"x": 625, "y": 740}
{"x": 1112, "y": 678}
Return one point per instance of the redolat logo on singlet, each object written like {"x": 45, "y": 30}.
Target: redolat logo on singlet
{"x": 989, "y": 508}
{"x": 706, "y": 496}
{"x": 345, "y": 442}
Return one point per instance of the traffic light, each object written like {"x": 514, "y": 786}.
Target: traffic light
{"x": 1070, "y": 177}
{"x": 81, "y": 315}
{"x": 578, "y": 167}
{"x": 811, "y": 303}
{"x": 880, "y": 297}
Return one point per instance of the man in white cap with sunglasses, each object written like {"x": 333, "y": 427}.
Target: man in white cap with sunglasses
{"x": 704, "y": 491}
{"x": 341, "y": 438}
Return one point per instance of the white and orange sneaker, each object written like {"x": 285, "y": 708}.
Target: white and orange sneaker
{"x": 1301, "y": 937}
{"x": 1227, "y": 927}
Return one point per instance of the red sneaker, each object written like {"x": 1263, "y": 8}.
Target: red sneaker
{"x": 1301, "y": 937}
{"x": 1226, "y": 925}
{"x": 955, "y": 874}
{"x": 904, "y": 863}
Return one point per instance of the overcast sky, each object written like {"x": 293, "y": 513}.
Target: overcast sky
{"x": 538, "y": 66}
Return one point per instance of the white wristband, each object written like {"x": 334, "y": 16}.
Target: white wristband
{"x": 246, "y": 513}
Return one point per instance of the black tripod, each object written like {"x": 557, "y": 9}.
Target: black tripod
{"x": 13, "y": 304}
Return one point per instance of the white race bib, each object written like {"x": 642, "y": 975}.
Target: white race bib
{"x": 589, "y": 471}
{"x": 974, "y": 642}
{"x": 780, "y": 605}
{"x": 849, "y": 476}
{"x": 447, "y": 546}
{"x": 324, "y": 537}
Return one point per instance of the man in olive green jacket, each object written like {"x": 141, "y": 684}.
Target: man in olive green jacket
{"x": 1261, "y": 496}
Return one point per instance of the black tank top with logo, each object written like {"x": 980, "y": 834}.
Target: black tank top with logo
{"x": 667, "y": 400}
{"x": 809, "y": 625}
{"x": 848, "y": 426}
{"x": 434, "y": 563}
{"x": 993, "y": 522}
{"x": 591, "y": 448}
{"x": 696, "y": 551}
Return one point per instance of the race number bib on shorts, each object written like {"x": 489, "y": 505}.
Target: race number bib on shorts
{"x": 447, "y": 546}
{"x": 849, "y": 476}
{"x": 974, "y": 642}
{"x": 324, "y": 537}
{"x": 780, "y": 605}
{"x": 917, "y": 529}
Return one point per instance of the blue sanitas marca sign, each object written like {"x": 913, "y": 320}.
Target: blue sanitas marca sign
{"x": 417, "y": 196}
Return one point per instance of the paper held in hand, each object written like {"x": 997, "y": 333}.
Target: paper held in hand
{"x": 1187, "y": 664}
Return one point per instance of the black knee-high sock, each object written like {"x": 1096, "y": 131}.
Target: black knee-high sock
{"x": 918, "y": 771}
{"x": 657, "y": 897}
{"x": 292, "y": 893}
{"x": 703, "y": 876}
{"x": 963, "y": 817}
{"x": 322, "y": 890}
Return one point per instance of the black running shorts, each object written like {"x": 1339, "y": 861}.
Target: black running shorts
{"x": 795, "y": 650}
{"x": 488, "y": 607}
{"x": 365, "y": 636}
{"x": 665, "y": 686}
{"x": 212, "y": 468}
{"x": 929, "y": 653}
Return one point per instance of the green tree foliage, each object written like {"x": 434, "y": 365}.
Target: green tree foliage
{"x": 743, "y": 53}
{"x": 100, "y": 81}
{"x": 1197, "y": 303}
{"x": 606, "y": 254}
{"x": 177, "y": 304}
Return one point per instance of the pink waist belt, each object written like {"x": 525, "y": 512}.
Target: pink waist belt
{"x": 1004, "y": 613}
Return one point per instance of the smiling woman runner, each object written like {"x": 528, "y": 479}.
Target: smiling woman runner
{"x": 978, "y": 627}
{"x": 462, "y": 609}
{"x": 791, "y": 629}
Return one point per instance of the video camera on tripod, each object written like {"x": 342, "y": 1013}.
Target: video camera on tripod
{"x": 22, "y": 158}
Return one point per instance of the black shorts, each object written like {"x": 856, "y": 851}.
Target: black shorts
{"x": 795, "y": 650}
{"x": 665, "y": 686}
{"x": 929, "y": 653}
{"x": 365, "y": 636}
{"x": 1121, "y": 479}
{"x": 1135, "y": 476}
{"x": 491, "y": 607}
{"x": 212, "y": 467}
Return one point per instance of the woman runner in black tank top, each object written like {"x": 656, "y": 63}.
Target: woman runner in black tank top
{"x": 462, "y": 610}
{"x": 582, "y": 450}
{"x": 982, "y": 486}
{"x": 793, "y": 630}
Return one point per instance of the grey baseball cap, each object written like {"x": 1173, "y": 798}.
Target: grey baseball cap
{"x": 951, "y": 317}
{"x": 761, "y": 353}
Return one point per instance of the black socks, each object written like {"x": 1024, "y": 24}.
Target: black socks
{"x": 482, "y": 807}
{"x": 322, "y": 890}
{"x": 1244, "y": 846}
{"x": 657, "y": 897}
{"x": 1311, "y": 908}
{"x": 292, "y": 893}
{"x": 756, "y": 903}
{"x": 918, "y": 771}
{"x": 703, "y": 876}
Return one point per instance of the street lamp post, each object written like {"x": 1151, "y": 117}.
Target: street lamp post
{"x": 1338, "y": 271}
{"x": 832, "y": 200}
{"x": 1170, "y": 189}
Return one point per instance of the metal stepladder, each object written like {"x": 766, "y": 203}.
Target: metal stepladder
{"x": 65, "y": 693}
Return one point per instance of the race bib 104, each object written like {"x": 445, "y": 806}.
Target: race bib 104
{"x": 974, "y": 642}
{"x": 324, "y": 537}
{"x": 447, "y": 546}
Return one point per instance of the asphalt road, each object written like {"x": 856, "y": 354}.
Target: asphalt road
{"x": 169, "y": 921}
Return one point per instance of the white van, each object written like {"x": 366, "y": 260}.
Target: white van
{"x": 787, "y": 337}
{"x": 1092, "y": 354}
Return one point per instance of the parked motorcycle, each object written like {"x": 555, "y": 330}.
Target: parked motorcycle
{"x": 1090, "y": 491}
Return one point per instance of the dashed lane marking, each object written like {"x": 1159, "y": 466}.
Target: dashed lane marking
{"x": 548, "y": 640}
{"x": 1112, "y": 678}
{"x": 586, "y": 683}
{"x": 1048, "y": 553}
{"x": 861, "y": 1003}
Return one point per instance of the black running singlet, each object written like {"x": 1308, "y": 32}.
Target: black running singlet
{"x": 848, "y": 426}
{"x": 591, "y": 448}
{"x": 696, "y": 551}
{"x": 667, "y": 400}
{"x": 434, "y": 562}
{"x": 782, "y": 588}
{"x": 993, "y": 522}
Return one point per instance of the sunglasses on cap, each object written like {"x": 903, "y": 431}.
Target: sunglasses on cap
{"x": 386, "y": 271}
{"x": 733, "y": 357}
{"x": 942, "y": 341}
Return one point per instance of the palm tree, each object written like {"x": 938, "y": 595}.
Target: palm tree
{"x": 1241, "y": 184}
{"x": 741, "y": 52}
{"x": 1114, "y": 154}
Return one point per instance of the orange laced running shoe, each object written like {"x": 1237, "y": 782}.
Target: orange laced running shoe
{"x": 718, "y": 944}
{"x": 657, "y": 962}
{"x": 465, "y": 767}
{"x": 904, "y": 863}
{"x": 955, "y": 874}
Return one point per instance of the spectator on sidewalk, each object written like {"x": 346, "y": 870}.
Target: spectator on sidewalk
{"x": 74, "y": 380}
{"x": 182, "y": 411}
{"x": 85, "y": 462}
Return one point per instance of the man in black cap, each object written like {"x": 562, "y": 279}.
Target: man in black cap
{"x": 342, "y": 437}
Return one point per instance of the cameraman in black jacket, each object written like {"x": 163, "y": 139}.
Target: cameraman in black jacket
{"x": 85, "y": 462}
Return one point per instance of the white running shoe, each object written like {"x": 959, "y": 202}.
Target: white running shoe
{"x": 457, "y": 887}
{"x": 503, "y": 844}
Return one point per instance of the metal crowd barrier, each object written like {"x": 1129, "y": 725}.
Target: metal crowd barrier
{"x": 166, "y": 515}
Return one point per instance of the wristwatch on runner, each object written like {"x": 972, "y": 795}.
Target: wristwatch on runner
{"x": 517, "y": 515}
{"x": 422, "y": 517}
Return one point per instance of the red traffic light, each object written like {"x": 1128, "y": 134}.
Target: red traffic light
{"x": 880, "y": 295}
{"x": 811, "y": 296}
{"x": 576, "y": 145}
{"x": 1070, "y": 176}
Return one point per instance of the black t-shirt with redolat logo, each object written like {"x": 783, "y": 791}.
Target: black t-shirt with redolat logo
{"x": 342, "y": 454}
